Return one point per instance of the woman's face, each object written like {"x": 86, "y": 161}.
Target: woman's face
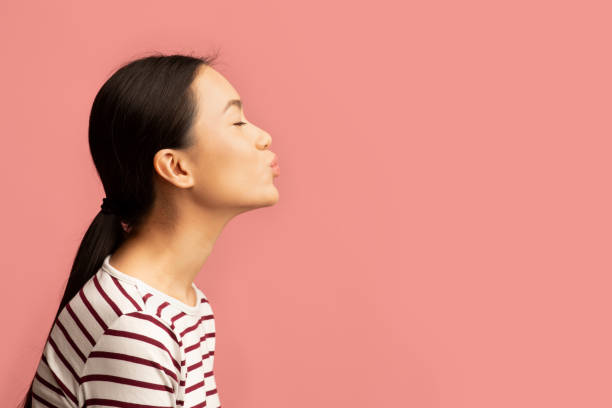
{"x": 230, "y": 159}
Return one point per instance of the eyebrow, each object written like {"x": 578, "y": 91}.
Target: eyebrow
{"x": 236, "y": 102}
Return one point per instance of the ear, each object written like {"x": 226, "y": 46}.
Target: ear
{"x": 173, "y": 166}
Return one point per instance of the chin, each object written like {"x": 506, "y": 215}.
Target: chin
{"x": 267, "y": 199}
{"x": 271, "y": 196}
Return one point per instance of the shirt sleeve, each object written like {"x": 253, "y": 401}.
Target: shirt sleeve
{"x": 136, "y": 362}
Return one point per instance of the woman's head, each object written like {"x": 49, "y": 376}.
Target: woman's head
{"x": 169, "y": 141}
{"x": 169, "y": 153}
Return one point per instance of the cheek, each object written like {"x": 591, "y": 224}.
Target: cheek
{"x": 238, "y": 168}
{"x": 227, "y": 173}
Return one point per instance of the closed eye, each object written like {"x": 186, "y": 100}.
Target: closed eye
{"x": 240, "y": 123}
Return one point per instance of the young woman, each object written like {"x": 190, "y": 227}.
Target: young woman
{"x": 178, "y": 160}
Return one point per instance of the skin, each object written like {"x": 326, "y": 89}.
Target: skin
{"x": 198, "y": 191}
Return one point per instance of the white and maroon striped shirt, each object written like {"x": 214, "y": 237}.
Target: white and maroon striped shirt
{"x": 122, "y": 343}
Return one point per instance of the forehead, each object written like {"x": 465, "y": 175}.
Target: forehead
{"x": 213, "y": 92}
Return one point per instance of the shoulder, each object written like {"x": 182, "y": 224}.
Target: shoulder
{"x": 137, "y": 338}
{"x": 140, "y": 330}
{"x": 138, "y": 350}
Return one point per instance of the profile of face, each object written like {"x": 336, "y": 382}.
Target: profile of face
{"x": 228, "y": 168}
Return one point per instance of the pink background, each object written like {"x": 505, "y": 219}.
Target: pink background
{"x": 443, "y": 233}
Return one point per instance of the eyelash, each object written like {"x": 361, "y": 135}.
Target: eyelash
{"x": 240, "y": 123}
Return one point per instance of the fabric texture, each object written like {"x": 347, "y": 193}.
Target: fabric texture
{"x": 122, "y": 343}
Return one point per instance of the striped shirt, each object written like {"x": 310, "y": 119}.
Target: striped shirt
{"x": 122, "y": 343}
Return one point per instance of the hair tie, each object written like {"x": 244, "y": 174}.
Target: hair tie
{"x": 108, "y": 206}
